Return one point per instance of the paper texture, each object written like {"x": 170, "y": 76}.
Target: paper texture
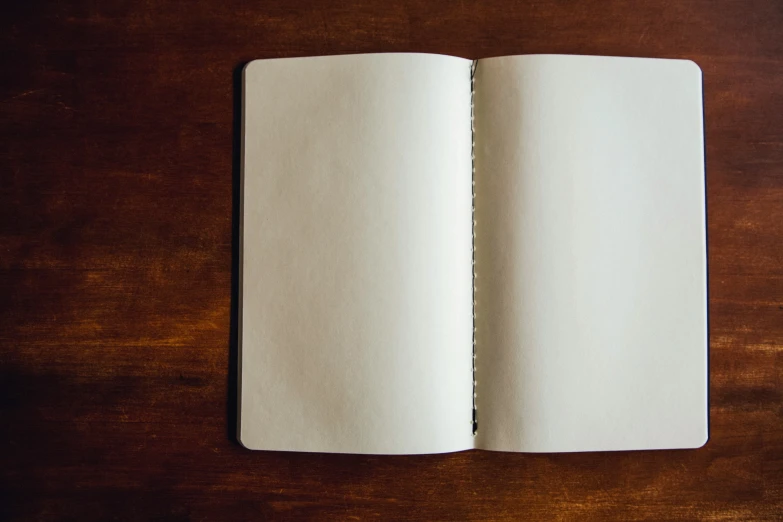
{"x": 356, "y": 324}
{"x": 591, "y": 258}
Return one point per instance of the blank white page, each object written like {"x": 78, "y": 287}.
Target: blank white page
{"x": 591, "y": 254}
{"x": 356, "y": 320}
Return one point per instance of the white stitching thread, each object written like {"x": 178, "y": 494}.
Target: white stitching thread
{"x": 473, "y": 65}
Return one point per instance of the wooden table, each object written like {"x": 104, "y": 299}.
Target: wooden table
{"x": 118, "y": 234}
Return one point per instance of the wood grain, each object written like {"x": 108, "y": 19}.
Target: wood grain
{"x": 118, "y": 212}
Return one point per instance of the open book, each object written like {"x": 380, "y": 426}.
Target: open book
{"x": 439, "y": 254}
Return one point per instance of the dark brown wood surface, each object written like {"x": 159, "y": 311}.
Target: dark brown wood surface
{"x": 118, "y": 214}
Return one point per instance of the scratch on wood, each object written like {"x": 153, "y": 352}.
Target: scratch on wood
{"x": 23, "y": 94}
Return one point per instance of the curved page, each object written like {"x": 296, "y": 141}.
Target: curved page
{"x": 591, "y": 257}
{"x": 356, "y": 328}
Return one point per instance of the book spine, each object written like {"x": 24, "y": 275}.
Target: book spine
{"x": 473, "y": 66}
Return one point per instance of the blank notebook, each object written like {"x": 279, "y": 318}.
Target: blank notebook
{"x": 440, "y": 254}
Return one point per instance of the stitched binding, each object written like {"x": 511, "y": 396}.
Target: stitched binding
{"x": 473, "y": 66}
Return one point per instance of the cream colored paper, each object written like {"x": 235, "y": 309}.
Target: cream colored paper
{"x": 356, "y": 325}
{"x": 591, "y": 254}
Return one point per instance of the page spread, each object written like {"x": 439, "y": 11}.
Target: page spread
{"x": 356, "y": 308}
{"x": 361, "y": 274}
